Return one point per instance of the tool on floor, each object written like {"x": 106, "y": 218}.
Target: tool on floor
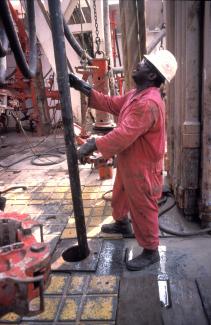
{"x": 24, "y": 265}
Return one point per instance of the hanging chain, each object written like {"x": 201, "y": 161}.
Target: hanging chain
{"x": 97, "y": 38}
{"x": 161, "y": 41}
{"x": 84, "y": 60}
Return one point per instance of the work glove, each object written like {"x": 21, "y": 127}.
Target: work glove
{"x": 86, "y": 149}
{"x": 79, "y": 84}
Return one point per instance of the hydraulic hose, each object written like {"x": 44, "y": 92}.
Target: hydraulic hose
{"x": 175, "y": 232}
{"x": 75, "y": 45}
{"x": 184, "y": 234}
{"x": 37, "y": 163}
{"x": 28, "y": 70}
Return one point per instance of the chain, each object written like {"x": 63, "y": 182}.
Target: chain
{"x": 161, "y": 42}
{"x": 97, "y": 38}
{"x": 83, "y": 60}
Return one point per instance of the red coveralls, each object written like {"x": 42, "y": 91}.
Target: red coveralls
{"x": 139, "y": 142}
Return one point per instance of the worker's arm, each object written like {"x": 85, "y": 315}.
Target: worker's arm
{"x": 79, "y": 84}
{"x": 99, "y": 101}
{"x": 138, "y": 121}
{"x": 110, "y": 104}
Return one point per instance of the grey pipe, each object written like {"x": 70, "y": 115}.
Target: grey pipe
{"x": 155, "y": 42}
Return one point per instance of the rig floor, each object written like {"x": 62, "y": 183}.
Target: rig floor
{"x": 99, "y": 289}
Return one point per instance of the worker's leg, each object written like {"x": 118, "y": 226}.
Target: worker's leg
{"x": 120, "y": 210}
{"x": 119, "y": 201}
{"x": 144, "y": 215}
{"x": 143, "y": 193}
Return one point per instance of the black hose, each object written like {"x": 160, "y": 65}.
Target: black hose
{"x": 37, "y": 156}
{"x": 175, "y": 232}
{"x": 34, "y": 160}
{"x": 57, "y": 28}
{"x": 75, "y": 45}
{"x": 184, "y": 234}
{"x": 28, "y": 70}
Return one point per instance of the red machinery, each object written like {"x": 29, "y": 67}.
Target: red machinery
{"x": 24, "y": 265}
{"x": 18, "y": 89}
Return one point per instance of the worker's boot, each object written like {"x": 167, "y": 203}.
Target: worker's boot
{"x": 119, "y": 227}
{"x": 146, "y": 258}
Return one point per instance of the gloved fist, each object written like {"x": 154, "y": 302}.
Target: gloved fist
{"x": 86, "y": 149}
{"x": 79, "y": 84}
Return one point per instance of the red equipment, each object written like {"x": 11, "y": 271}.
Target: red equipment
{"x": 104, "y": 120}
{"x": 104, "y": 166}
{"x": 24, "y": 265}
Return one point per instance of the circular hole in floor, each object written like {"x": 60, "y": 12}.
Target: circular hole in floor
{"x": 73, "y": 254}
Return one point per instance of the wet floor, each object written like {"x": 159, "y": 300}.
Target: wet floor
{"x": 94, "y": 284}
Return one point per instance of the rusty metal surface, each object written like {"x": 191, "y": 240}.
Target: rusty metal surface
{"x": 183, "y": 109}
{"x": 206, "y": 116}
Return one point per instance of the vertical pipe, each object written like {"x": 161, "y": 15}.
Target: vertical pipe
{"x": 130, "y": 37}
{"x": 205, "y": 212}
{"x": 67, "y": 117}
{"x": 141, "y": 27}
{"x": 108, "y": 51}
{"x": 171, "y": 100}
{"x": 107, "y": 32}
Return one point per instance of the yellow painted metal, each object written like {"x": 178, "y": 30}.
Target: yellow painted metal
{"x": 67, "y": 196}
{"x": 51, "y": 307}
{"x": 77, "y": 284}
{"x": 95, "y": 221}
{"x": 97, "y": 211}
{"x": 57, "y": 196}
{"x": 103, "y": 284}
{"x": 57, "y": 284}
{"x": 90, "y": 195}
{"x": 98, "y": 308}
{"x": 91, "y": 189}
{"x": 10, "y": 317}
{"x": 69, "y": 233}
{"x": 62, "y": 189}
{"x": 88, "y": 203}
{"x": 69, "y": 310}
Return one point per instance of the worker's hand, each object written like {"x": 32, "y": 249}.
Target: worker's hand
{"x": 86, "y": 149}
{"x": 79, "y": 84}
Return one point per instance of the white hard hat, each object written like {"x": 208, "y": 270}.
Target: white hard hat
{"x": 165, "y": 62}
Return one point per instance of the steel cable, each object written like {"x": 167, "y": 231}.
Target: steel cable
{"x": 28, "y": 70}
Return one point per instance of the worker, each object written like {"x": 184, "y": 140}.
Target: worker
{"x": 138, "y": 141}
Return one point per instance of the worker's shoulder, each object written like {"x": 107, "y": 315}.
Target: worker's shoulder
{"x": 152, "y": 97}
